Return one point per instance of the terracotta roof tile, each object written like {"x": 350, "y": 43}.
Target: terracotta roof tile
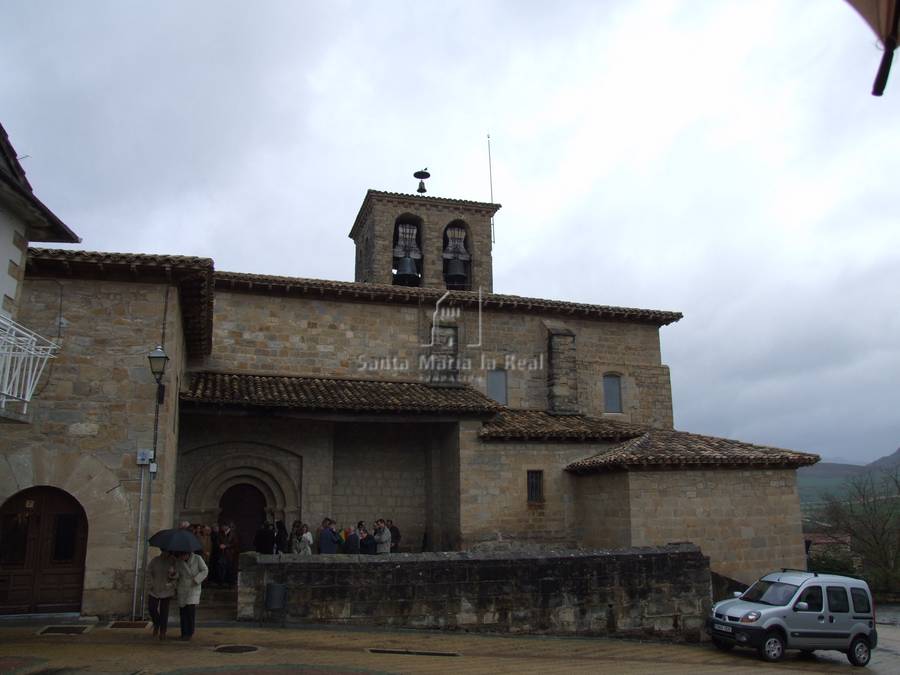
{"x": 402, "y": 294}
{"x": 404, "y": 196}
{"x": 661, "y": 447}
{"x": 332, "y": 394}
{"x": 142, "y": 260}
{"x": 534, "y": 425}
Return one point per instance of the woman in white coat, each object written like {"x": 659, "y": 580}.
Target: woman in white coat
{"x": 191, "y": 573}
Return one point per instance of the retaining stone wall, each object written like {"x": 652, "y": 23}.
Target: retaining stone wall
{"x": 642, "y": 592}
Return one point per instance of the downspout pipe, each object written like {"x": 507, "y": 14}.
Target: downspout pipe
{"x": 137, "y": 549}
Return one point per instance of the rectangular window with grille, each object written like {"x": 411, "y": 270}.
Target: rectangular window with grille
{"x": 535, "y": 486}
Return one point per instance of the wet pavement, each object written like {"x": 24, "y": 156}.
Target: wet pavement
{"x": 319, "y": 649}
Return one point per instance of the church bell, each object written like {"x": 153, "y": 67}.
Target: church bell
{"x": 456, "y": 272}
{"x": 407, "y": 273}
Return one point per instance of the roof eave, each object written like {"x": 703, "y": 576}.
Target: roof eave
{"x": 42, "y": 224}
{"x": 371, "y": 195}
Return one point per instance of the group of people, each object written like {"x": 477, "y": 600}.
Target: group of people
{"x": 384, "y": 538}
{"x": 180, "y": 576}
{"x": 274, "y": 538}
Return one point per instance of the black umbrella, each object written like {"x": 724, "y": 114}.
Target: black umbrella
{"x": 178, "y": 540}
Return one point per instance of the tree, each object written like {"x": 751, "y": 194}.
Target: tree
{"x": 869, "y": 512}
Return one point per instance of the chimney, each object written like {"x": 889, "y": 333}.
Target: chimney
{"x": 562, "y": 374}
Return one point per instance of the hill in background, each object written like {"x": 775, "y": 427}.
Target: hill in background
{"x": 814, "y": 482}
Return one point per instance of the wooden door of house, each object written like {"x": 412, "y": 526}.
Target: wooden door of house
{"x": 43, "y": 541}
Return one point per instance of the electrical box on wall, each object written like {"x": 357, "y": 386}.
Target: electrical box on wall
{"x": 144, "y": 456}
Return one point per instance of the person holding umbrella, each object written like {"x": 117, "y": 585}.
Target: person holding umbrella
{"x": 190, "y": 572}
{"x": 161, "y": 580}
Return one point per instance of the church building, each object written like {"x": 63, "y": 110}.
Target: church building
{"x": 475, "y": 420}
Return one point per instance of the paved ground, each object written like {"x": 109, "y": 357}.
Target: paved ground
{"x": 326, "y": 650}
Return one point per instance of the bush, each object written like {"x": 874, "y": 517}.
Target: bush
{"x": 832, "y": 561}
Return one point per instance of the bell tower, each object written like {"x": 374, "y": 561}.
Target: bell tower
{"x": 418, "y": 241}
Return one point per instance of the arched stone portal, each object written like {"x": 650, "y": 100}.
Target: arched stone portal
{"x": 43, "y": 531}
{"x": 222, "y": 476}
{"x": 244, "y": 505}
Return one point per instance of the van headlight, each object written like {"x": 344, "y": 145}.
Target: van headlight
{"x": 751, "y": 617}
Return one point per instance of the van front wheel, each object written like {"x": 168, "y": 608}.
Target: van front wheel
{"x": 859, "y": 653}
{"x": 773, "y": 647}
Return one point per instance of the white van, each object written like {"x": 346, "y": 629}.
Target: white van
{"x": 793, "y": 609}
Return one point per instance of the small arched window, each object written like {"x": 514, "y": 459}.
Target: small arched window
{"x": 457, "y": 260}
{"x": 612, "y": 393}
{"x": 407, "y": 253}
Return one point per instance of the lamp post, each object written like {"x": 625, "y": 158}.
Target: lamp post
{"x": 158, "y": 360}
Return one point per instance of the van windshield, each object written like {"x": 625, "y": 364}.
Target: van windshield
{"x": 770, "y": 593}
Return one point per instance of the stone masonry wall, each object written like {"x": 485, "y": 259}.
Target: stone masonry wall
{"x": 494, "y": 504}
{"x": 604, "y": 507}
{"x": 289, "y": 460}
{"x": 275, "y": 334}
{"x": 562, "y": 374}
{"x": 380, "y": 472}
{"x": 639, "y": 592}
{"x": 375, "y": 240}
{"x": 746, "y": 521}
{"x": 92, "y": 411}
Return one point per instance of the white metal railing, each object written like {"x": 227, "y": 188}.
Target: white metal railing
{"x": 23, "y": 355}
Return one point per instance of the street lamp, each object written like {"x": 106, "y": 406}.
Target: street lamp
{"x": 158, "y": 360}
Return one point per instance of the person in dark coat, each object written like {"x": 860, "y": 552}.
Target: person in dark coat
{"x": 264, "y": 540}
{"x": 328, "y": 538}
{"x": 367, "y": 543}
{"x": 215, "y": 572}
{"x": 395, "y": 535}
{"x": 352, "y": 544}
{"x": 229, "y": 553}
{"x": 281, "y": 537}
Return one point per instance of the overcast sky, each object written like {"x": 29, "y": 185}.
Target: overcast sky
{"x": 723, "y": 159}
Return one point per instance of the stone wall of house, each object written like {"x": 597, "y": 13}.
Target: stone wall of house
{"x": 494, "y": 505}
{"x": 443, "y": 495}
{"x": 12, "y": 261}
{"x": 638, "y": 592}
{"x": 604, "y": 506}
{"x": 92, "y": 411}
{"x": 271, "y": 333}
{"x": 380, "y": 472}
{"x": 746, "y": 521}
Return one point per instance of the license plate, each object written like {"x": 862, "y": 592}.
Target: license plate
{"x": 724, "y": 629}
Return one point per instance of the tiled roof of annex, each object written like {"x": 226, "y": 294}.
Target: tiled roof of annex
{"x": 634, "y": 445}
{"x": 333, "y": 394}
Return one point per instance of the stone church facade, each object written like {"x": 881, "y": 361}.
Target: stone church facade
{"x": 473, "y": 419}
